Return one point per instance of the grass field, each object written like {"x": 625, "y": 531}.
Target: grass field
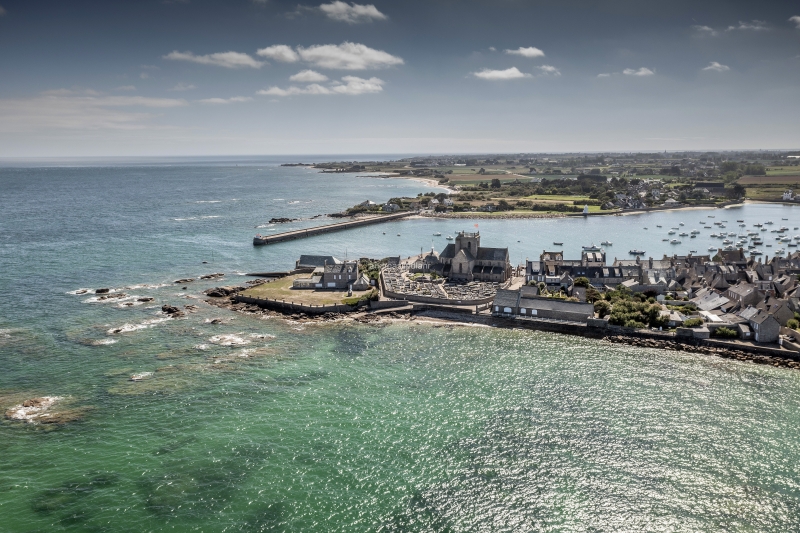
{"x": 785, "y": 179}
{"x": 562, "y": 199}
{"x": 281, "y": 289}
{"x": 783, "y": 171}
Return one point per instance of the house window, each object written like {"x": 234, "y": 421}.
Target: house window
{"x": 522, "y": 310}
{"x": 496, "y": 307}
{"x": 460, "y": 268}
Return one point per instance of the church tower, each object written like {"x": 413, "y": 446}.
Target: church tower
{"x": 469, "y": 242}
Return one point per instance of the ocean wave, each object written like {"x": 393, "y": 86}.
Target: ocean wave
{"x": 208, "y": 201}
{"x": 261, "y": 336}
{"x": 293, "y": 202}
{"x": 110, "y": 298}
{"x": 139, "y": 376}
{"x": 201, "y": 346}
{"x": 228, "y": 339}
{"x": 147, "y": 286}
{"x": 101, "y": 342}
{"x": 33, "y": 410}
{"x": 196, "y": 218}
{"x": 128, "y": 328}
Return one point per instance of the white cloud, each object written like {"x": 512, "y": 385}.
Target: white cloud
{"x": 351, "y": 13}
{"x": 125, "y": 88}
{"x": 717, "y": 67}
{"x": 75, "y": 91}
{"x": 308, "y": 76}
{"x": 796, "y": 20}
{"x": 641, "y": 72}
{"x": 512, "y": 73}
{"x": 347, "y": 56}
{"x": 279, "y": 52}
{"x": 144, "y": 75}
{"x": 492, "y": 49}
{"x": 220, "y": 59}
{"x": 2, "y": 11}
{"x": 755, "y": 25}
{"x": 529, "y": 52}
{"x": 706, "y": 30}
{"x": 233, "y": 100}
{"x": 549, "y": 70}
{"x": 141, "y": 101}
{"x": 183, "y": 87}
{"x": 350, "y": 85}
{"x": 604, "y": 75}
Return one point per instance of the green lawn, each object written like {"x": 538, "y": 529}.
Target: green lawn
{"x": 281, "y": 289}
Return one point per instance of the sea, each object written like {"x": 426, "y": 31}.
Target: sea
{"x": 254, "y": 424}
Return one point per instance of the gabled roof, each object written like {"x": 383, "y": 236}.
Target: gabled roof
{"x": 492, "y": 254}
{"x": 464, "y": 255}
{"x": 317, "y": 260}
{"x": 449, "y": 252}
{"x": 762, "y": 317}
{"x": 506, "y": 298}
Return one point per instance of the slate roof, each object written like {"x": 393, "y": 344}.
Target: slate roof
{"x": 317, "y": 261}
{"x": 449, "y": 252}
{"x": 506, "y": 298}
{"x": 492, "y": 254}
{"x": 554, "y": 304}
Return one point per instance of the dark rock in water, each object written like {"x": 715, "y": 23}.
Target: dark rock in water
{"x": 281, "y": 220}
{"x": 186, "y": 280}
{"x": 219, "y": 292}
{"x": 113, "y": 296}
{"x": 205, "y": 262}
{"x": 145, "y": 299}
{"x": 171, "y": 310}
{"x": 183, "y": 288}
{"x": 101, "y": 291}
{"x": 216, "y": 321}
{"x": 213, "y": 276}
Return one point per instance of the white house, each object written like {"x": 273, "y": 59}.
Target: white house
{"x": 788, "y": 195}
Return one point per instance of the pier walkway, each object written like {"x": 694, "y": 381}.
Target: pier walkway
{"x": 259, "y": 240}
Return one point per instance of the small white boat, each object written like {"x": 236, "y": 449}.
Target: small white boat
{"x": 683, "y": 234}
{"x": 674, "y": 241}
{"x": 695, "y": 231}
{"x": 711, "y": 249}
{"x": 637, "y": 252}
{"x": 437, "y": 234}
{"x": 449, "y": 237}
{"x": 606, "y": 243}
{"x": 680, "y": 223}
{"x": 671, "y": 232}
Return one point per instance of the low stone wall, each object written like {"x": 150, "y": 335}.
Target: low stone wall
{"x": 293, "y": 307}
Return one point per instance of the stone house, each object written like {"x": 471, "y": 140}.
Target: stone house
{"x": 766, "y": 327}
{"x": 336, "y": 277}
{"x": 743, "y": 293}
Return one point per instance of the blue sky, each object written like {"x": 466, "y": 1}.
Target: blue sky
{"x": 212, "y": 77}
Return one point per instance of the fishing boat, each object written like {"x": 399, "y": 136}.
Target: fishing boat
{"x": 671, "y": 232}
{"x": 606, "y": 243}
{"x": 437, "y": 234}
{"x": 680, "y": 223}
{"x": 692, "y": 251}
{"x": 683, "y": 234}
{"x": 636, "y": 252}
{"x": 756, "y": 252}
{"x": 591, "y": 248}
{"x": 740, "y": 221}
{"x": 695, "y": 231}
{"x": 711, "y": 249}
{"x": 449, "y": 237}
{"x": 558, "y": 243}
{"x": 674, "y": 241}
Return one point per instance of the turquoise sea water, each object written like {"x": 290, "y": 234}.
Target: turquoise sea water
{"x": 270, "y": 425}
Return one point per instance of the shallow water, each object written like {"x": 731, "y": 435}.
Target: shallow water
{"x": 268, "y": 425}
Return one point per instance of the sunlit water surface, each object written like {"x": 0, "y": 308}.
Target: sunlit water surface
{"x": 269, "y": 425}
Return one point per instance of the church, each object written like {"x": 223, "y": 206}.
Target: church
{"x": 467, "y": 260}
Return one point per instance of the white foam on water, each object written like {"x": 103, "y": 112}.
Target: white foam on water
{"x": 102, "y": 342}
{"x": 128, "y": 328}
{"x": 201, "y": 346}
{"x": 293, "y": 202}
{"x": 261, "y": 336}
{"x": 140, "y": 376}
{"x": 208, "y": 201}
{"x": 80, "y": 291}
{"x": 97, "y": 299}
{"x": 31, "y": 413}
{"x": 229, "y": 339}
{"x": 147, "y": 286}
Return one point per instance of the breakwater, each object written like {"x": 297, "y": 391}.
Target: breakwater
{"x": 260, "y": 240}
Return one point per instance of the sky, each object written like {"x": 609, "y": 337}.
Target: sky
{"x": 273, "y": 77}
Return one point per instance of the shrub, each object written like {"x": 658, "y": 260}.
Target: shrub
{"x": 634, "y": 324}
{"x": 693, "y": 323}
{"x": 581, "y": 282}
{"x": 726, "y": 333}
{"x": 602, "y": 308}
{"x": 792, "y": 323}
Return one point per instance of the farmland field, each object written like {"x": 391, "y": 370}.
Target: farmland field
{"x": 787, "y": 179}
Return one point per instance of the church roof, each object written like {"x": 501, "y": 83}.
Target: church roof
{"x": 449, "y": 252}
{"x": 464, "y": 255}
{"x": 492, "y": 254}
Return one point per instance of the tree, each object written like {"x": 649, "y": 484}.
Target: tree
{"x": 495, "y": 183}
{"x": 729, "y": 166}
{"x": 581, "y": 282}
{"x": 592, "y": 294}
{"x": 482, "y": 171}
{"x": 602, "y": 308}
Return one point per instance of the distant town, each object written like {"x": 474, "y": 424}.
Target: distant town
{"x": 562, "y": 184}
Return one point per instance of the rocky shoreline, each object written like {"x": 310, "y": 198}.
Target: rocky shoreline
{"x": 726, "y": 353}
